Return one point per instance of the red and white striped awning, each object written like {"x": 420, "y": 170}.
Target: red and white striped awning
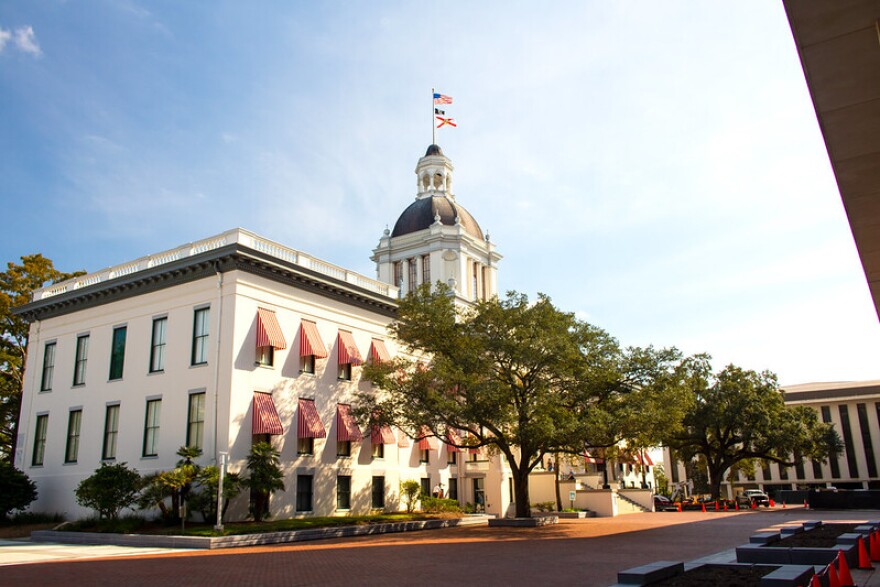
{"x": 402, "y": 439}
{"x": 348, "y": 350}
{"x": 265, "y": 418}
{"x": 308, "y": 421}
{"x": 644, "y": 458}
{"x": 346, "y": 426}
{"x": 310, "y": 342}
{"x": 426, "y": 442}
{"x": 453, "y": 438}
{"x": 593, "y": 460}
{"x": 383, "y": 435}
{"x": 378, "y": 352}
{"x": 268, "y": 330}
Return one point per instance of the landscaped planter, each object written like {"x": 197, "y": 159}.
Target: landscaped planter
{"x": 774, "y": 547}
{"x": 524, "y": 522}
{"x": 673, "y": 574}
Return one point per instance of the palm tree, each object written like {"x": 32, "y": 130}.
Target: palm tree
{"x": 266, "y": 477}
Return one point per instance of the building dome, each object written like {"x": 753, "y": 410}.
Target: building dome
{"x": 422, "y": 213}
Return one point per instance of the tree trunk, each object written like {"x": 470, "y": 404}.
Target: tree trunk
{"x": 558, "y": 492}
{"x": 521, "y": 493}
{"x": 716, "y": 477}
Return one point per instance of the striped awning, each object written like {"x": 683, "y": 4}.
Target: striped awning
{"x": 426, "y": 442}
{"x": 310, "y": 342}
{"x": 268, "y": 330}
{"x": 452, "y": 438}
{"x": 383, "y": 435}
{"x": 402, "y": 439}
{"x": 308, "y": 421}
{"x": 346, "y": 426}
{"x": 348, "y": 350}
{"x": 475, "y": 450}
{"x": 644, "y": 458}
{"x": 378, "y": 352}
{"x": 593, "y": 460}
{"x": 265, "y": 419}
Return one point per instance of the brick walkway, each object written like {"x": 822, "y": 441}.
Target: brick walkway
{"x": 576, "y": 552}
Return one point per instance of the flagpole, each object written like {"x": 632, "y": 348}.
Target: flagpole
{"x": 433, "y": 130}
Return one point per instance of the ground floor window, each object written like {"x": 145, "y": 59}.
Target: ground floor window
{"x": 303, "y": 493}
{"x": 378, "y": 493}
{"x": 343, "y": 492}
{"x": 480, "y": 493}
{"x": 426, "y": 486}
{"x": 453, "y": 488}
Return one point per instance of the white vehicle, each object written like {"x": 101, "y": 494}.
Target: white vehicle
{"x": 754, "y": 496}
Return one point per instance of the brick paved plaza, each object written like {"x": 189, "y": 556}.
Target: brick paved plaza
{"x": 574, "y": 552}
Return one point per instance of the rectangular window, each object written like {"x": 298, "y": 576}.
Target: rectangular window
{"x": 835, "y": 464}
{"x": 303, "y": 493}
{"x": 195, "y": 420}
{"x": 71, "y": 450}
{"x": 799, "y": 467}
{"x": 117, "y": 352}
{"x": 851, "y": 462}
{"x": 413, "y": 281}
{"x": 200, "y": 337}
{"x": 483, "y": 280}
{"x": 308, "y": 364}
{"x": 344, "y": 372}
{"x": 151, "y": 427}
{"x": 783, "y": 472}
{"x": 866, "y": 439}
{"x": 343, "y": 448}
{"x": 378, "y": 493}
{"x": 82, "y": 354}
{"x": 426, "y": 268}
{"x": 424, "y": 456}
{"x": 48, "y": 367}
{"x": 111, "y": 432}
{"x": 265, "y": 356}
{"x": 343, "y": 492}
{"x": 157, "y": 346}
{"x": 40, "y": 432}
{"x": 398, "y": 273}
{"x": 451, "y": 456}
{"x": 453, "y": 488}
{"x": 425, "y": 483}
{"x": 378, "y": 450}
{"x": 817, "y": 469}
{"x": 305, "y": 446}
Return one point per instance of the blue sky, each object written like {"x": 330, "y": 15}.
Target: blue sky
{"x": 655, "y": 167}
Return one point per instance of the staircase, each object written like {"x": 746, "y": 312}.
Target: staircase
{"x": 627, "y": 506}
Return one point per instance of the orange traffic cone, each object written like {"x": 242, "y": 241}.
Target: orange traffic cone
{"x": 833, "y": 580}
{"x": 783, "y": 505}
{"x": 864, "y": 559}
{"x": 725, "y": 505}
{"x": 716, "y": 505}
{"x": 874, "y": 546}
{"x": 772, "y": 503}
{"x": 754, "y": 505}
{"x": 815, "y": 582}
{"x": 678, "y": 505}
{"x": 844, "y": 575}
{"x": 737, "y": 505}
{"x": 704, "y": 507}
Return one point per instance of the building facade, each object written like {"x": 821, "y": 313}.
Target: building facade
{"x": 234, "y": 339}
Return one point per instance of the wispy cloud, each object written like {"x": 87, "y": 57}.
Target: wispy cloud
{"x": 22, "y": 38}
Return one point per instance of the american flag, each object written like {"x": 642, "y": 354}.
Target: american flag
{"x": 442, "y": 99}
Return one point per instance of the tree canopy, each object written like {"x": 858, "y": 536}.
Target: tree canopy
{"x": 17, "y": 284}
{"x": 524, "y": 379}
{"x": 739, "y": 415}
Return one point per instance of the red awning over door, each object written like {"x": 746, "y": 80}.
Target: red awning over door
{"x": 265, "y": 417}
{"x": 268, "y": 330}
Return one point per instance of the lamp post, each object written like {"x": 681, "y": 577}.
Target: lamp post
{"x": 219, "y": 525}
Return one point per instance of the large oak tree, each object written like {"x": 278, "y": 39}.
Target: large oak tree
{"x": 524, "y": 379}
{"x": 17, "y": 284}
{"x": 738, "y": 415}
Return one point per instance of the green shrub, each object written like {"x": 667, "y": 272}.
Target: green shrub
{"x": 409, "y": 491}
{"x": 122, "y": 525}
{"x": 545, "y": 506}
{"x": 110, "y": 489}
{"x": 437, "y": 505}
{"x": 266, "y": 477}
{"x": 17, "y": 491}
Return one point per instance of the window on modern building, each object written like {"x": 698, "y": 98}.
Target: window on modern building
{"x": 40, "y": 431}
{"x": 378, "y": 450}
{"x": 425, "y": 483}
{"x": 412, "y": 276}
{"x": 868, "y": 446}
{"x": 817, "y": 469}
{"x": 378, "y": 493}
{"x": 48, "y": 367}
{"x": 783, "y": 472}
{"x": 157, "y": 345}
{"x": 151, "y": 427}
{"x": 308, "y": 364}
{"x": 799, "y": 466}
{"x": 452, "y": 492}
{"x": 117, "y": 352}
{"x": 82, "y": 354}
{"x": 835, "y": 464}
{"x": 305, "y": 446}
{"x": 849, "y": 445}
{"x": 265, "y": 356}
{"x": 200, "y": 336}
{"x": 303, "y": 493}
{"x": 71, "y": 449}
{"x": 344, "y": 372}
{"x": 343, "y": 448}
{"x": 111, "y": 432}
{"x": 195, "y": 420}
{"x": 343, "y": 492}
{"x": 426, "y": 268}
